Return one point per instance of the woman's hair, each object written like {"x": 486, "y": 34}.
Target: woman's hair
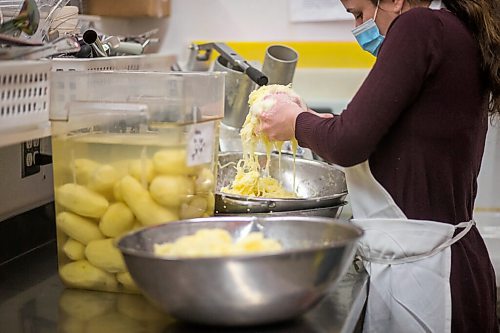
{"x": 482, "y": 17}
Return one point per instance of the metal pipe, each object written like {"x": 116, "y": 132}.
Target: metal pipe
{"x": 91, "y": 38}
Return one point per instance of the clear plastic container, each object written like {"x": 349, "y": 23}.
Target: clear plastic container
{"x": 130, "y": 149}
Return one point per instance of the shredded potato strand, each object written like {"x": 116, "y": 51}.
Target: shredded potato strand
{"x": 250, "y": 180}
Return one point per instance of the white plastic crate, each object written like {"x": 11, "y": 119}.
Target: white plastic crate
{"x": 148, "y": 62}
{"x": 24, "y": 94}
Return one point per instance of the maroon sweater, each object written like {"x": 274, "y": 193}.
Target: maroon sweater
{"x": 420, "y": 118}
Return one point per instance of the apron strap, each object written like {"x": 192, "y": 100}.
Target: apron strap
{"x": 466, "y": 227}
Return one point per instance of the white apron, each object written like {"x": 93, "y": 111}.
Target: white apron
{"x": 409, "y": 261}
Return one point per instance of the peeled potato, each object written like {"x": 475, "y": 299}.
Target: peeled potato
{"x": 103, "y": 179}
{"x": 84, "y": 305}
{"x": 172, "y": 162}
{"x": 137, "y": 225}
{"x": 83, "y": 169}
{"x": 78, "y": 228}
{"x": 171, "y": 191}
{"x": 104, "y": 254}
{"x": 142, "y": 170}
{"x": 117, "y": 220}
{"x": 82, "y": 274}
{"x": 74, "y": 249}
{"x": 147, "y": 211}
{"x": 117, "y": 193}
{"x": 81, "y": 200}
{"x": 210, "y": 204}
{"x": 205, "y": 181}
{"x": 126, "y": 280}
{"x": 195, "y": 208}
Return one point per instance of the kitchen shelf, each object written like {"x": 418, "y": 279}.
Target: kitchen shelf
{"x": 18, "y": 136}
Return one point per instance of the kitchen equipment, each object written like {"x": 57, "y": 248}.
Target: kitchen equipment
{"x": 279, "y": 64}
{"x": 91, "y": 38}
{"x": 316, "y": 183}
{"x": 243, "y": 290}
{"x": 117, "y": 47}
{"x": 238, "y": 88}
{"x": 137, "y": 152}
{"x": 240, "y": 80}
{"x": 26, "y": 21}
{"x": 49, "y": 10}
{"x": 331, "y": 212}
{"x": 234, "y": 60}
{"x": 10, "y": 40}
{"x": 59, "y": 46}
{"x": 65, "y": 20}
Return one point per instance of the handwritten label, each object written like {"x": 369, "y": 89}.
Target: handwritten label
{"x": 200, "y": 148}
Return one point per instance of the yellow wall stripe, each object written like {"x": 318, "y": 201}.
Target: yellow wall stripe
{"x": 311, "y": 54}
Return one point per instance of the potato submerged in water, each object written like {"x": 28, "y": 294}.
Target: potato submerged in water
{"x": 82, "y": 274}
{"x": 80, "y": 200}
{"x": 205, "y": 181}
{"x": 139, "y": 200}
{"x": 117, "y": 220}
{"x": 142, "y": 170}
{"x": 83, "y": 169}
{"x": 195, "y": 208}
{"x": 171, "y": 191}
{"x": 74, "y": 249}
{"x": 172, "y": 162}
{"x": 103, "y": 254}
{"x": 103, "y": 179}
{"x": 79, "y": 228}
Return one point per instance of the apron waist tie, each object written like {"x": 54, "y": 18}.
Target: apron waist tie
{"x": 396, "y": 261}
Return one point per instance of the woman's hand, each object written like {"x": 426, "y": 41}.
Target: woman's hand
{"x": 278, "y": 122}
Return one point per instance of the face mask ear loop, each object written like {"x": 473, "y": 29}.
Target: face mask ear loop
{"x": 376, "y": 11}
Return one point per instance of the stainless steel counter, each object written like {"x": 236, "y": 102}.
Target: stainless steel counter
{"x": 32, "y": 299}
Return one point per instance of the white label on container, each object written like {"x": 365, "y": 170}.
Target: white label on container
{"x": 200, "y": 148}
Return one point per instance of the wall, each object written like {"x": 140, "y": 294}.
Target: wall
{"x": 242, "y": 20}
{"x": 227, "y": 20}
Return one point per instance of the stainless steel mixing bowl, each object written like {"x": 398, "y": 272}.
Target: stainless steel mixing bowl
{"x": 243, "y": 290}
{"x": 317, "y": 184}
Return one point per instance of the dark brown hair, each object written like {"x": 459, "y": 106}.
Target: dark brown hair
{"x": 482, "y": 17}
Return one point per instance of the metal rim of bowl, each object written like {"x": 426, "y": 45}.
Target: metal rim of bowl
{"x": 150, "y": 255}
{"x": 253, "y": 198}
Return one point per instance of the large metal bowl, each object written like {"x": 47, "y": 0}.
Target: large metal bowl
{"x": 317, "y": 184}
{"x": 243, "y": 290}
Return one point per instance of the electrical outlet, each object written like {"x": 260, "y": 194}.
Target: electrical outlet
{"x": 29, "y": 151}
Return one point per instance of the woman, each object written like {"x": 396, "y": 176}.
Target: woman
{"x": 411, "y": 142}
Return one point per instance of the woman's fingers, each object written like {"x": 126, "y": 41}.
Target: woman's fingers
{"x": 278, "y": 122}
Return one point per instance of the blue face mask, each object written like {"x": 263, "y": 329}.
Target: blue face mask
{"x": 368, "y": 35}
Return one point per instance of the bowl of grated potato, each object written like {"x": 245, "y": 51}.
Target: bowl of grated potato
{"x": 302, "y": 185}
{"x": 239, "y": 270}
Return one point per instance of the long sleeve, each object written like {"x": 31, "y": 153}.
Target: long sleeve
{"x": 410, "y": 53}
